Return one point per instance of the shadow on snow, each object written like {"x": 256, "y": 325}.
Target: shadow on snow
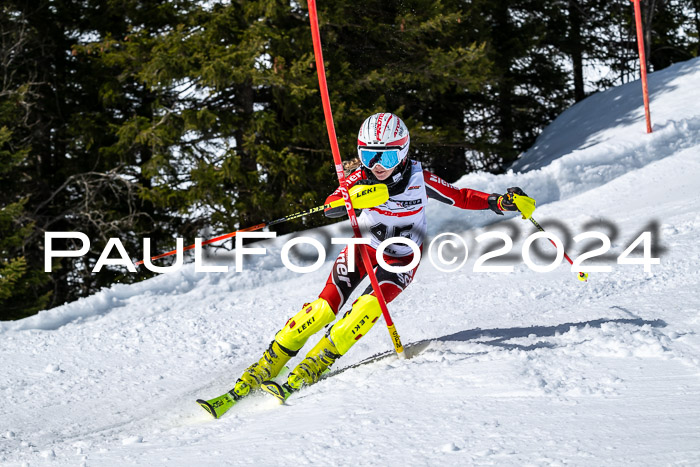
{"x": 499, "y": 337}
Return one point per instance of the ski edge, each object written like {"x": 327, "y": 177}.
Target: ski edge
{"x": 206, "y": 406}
{"x": 211, "y": 408}
{"x": 276, "y": 390}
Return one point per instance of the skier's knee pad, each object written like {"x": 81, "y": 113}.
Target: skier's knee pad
{"x": 355, "y": 324}
{"x": 304, "y": 324}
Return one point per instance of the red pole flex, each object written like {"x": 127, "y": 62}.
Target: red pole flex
{"x": 642, "y": 60}
{"x": 318, "y": 54}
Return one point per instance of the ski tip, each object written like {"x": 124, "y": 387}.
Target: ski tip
{"x": 206, "y": 406}
{"x": 275, "y": 389}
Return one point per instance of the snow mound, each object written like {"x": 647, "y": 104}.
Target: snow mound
{"x": 521, "y": 368}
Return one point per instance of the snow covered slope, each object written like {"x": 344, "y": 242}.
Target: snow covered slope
{"x": 522, "y": 368}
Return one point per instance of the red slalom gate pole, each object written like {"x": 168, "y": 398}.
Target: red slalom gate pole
{"x": 320, "y": 68}
{"x": 642, "y": 61}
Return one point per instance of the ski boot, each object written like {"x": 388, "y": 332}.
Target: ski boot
{"x": 343, "y": 335}
{"x": 272, "y": 361}
{"x": 268, "y": 367}
{"x": 292, "y": 337}
{"x": 316, "y": 363}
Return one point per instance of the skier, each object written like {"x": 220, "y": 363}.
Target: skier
{"x": 382, "y": 147}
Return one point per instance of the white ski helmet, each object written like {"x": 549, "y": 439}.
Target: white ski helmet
{"x": 383, "y": 139}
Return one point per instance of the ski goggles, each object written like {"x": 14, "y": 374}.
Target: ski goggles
{"x": 387, "y": 158}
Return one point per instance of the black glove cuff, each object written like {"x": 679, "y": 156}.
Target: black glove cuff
{"x": 493, "y": 203}
{"x": 339, "y": 211}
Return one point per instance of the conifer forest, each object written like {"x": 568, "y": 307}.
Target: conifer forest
{"x": 186, "y": 118}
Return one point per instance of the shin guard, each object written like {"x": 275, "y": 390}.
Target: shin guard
{"x": 355, "y": 324}
{"x": 312, "y": 318}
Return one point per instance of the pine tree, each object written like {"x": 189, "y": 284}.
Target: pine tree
{"x": 673, "y": 35}
{"x": 529, "y": 85}
{"x": 414, "y": 58}
{"x": 57, "y": 129}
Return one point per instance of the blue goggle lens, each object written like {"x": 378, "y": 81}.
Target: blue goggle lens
{"x": 386, "y": 158}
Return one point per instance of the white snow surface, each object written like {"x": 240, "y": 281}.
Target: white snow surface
{"x": 520, "y": 368}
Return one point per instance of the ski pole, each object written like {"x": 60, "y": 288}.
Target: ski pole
{"x": 582, "y": 276}
{"x": 328, "y": 114}
{"x": 526, "y": 206}
{"x": 365, "y": 197}
{"x": 233, "y": 234}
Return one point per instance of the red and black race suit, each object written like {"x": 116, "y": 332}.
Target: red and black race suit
{"x": 403, "y": 215}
